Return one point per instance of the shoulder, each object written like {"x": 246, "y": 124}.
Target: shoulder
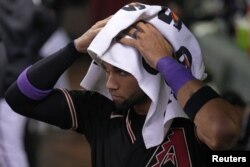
{"x": 88, "y": 96}
{"x": 87, "y": 100}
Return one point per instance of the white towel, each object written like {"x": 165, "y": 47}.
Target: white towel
{"x": 164, "y": 106}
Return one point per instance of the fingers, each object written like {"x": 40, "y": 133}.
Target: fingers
{"x": 138, "y": 29}
{"x": 141, "y": 26}
{"x": 82, "y": 42}
{"x": 127, "y": 41}
{"x": 133, "y": 32}
{"x": 102, "y": 23}
{"x": 148, "y": 40}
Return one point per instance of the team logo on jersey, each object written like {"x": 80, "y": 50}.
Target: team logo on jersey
{"x": 173, "y": 152}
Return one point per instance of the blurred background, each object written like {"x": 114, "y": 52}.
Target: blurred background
{"x": 222, "y": 28}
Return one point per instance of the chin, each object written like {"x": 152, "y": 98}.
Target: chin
{"x": 122, "y": 106}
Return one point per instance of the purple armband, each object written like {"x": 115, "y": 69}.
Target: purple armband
{"x": 28, "y": 89}
{"x": 174, "y": 73}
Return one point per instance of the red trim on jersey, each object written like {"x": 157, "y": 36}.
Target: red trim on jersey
{"x": 129, "y": 129}
{"x": 71, "y": 109}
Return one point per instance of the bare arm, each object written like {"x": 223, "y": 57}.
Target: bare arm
{"x": 217, "y": 123}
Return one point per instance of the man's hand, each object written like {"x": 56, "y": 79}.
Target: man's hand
{"x": 148, "y": 41}
{"x": 83, "y": 42}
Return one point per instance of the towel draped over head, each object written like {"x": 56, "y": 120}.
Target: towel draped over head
{"x": 164, "y": 106}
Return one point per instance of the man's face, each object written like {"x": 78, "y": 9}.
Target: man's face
{"x": 123, "y": 87}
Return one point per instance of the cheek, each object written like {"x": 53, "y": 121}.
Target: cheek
{"x": 131, "y": 87}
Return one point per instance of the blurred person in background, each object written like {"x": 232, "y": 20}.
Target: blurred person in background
{"x": 24, "y": 29}
{"x": 243, "y": 109}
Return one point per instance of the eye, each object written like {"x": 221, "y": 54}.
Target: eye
{"x": 105, "y": 69}
{"x": 107, "y": 72}
{"x": 121, "y": 72}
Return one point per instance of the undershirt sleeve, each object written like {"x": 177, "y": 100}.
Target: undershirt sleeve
{"x": 78, "y": 110}
{"x": 43, "y": 75}
{"x": 82, "y": 111}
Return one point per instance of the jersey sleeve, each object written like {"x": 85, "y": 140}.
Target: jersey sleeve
{"x": 33, "y": 95}
{"x": 89, "y": 111}
{"x": 79, "y": 110}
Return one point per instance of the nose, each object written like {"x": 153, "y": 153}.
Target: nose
{"x": 111, "y": 83}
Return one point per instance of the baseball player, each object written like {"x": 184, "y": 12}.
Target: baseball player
{"x": 113, "y": 127}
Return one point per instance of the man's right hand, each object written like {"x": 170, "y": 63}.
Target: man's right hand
{"x": 83, "y": 42}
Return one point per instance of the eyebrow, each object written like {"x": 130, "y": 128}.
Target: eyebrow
{"x": 102, "y": 65}
{"x": 114, "y": 67}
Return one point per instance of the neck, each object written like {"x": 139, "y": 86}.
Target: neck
{"x": 142, "y": 108}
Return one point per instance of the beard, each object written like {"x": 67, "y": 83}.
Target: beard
{"x": 138, "y": 97}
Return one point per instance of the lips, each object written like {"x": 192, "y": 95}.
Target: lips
{"x": 117, "y": 98}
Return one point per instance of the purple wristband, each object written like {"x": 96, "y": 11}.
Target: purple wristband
{"x": 174, "y": 73}
{"x": 28, "y": 89}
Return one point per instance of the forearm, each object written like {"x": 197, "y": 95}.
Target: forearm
{"x": 217, "y": 123}
{"x": 45, "y": 73}
{"x": 36, "y": 83}
{"x": 41, "y": 77}
{"x": 187, "y": 90}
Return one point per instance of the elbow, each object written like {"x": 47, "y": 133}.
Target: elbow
{"x": 14, "y": 100}
{"x": 12, "y": 104}
{"x": 9, "y": 98}
{"x": 224, "y": 137}
{"x": 17, "y": 107}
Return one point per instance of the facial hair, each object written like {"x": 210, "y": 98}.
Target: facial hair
{"x": 139, "y": 97}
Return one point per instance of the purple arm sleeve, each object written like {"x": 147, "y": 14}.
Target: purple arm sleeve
{"x": 28, "y": 89}
{"x": 174, "y": 73}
